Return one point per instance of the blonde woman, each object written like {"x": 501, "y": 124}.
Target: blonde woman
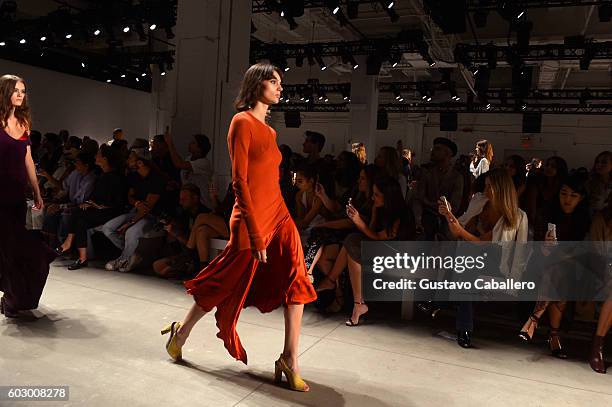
{"x": 500, "y": 221}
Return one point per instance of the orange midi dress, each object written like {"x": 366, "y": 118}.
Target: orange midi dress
{"x": 260, "y": 219}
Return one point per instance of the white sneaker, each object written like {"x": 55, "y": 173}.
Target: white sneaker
{"x": 113, "y": 265}
{"x": 130, "y": 264}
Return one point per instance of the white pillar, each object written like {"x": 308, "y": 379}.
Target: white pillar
{"x": 212, "y": 53}
{"x": 364, "y": 108}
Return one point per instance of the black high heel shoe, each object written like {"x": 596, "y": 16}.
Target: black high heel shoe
{"x": 527, "y": 335}
{"x": 6, "y": 311}
{"x": 77, "y": 265}
{"x": 554, "y": 342}
{"x": 464, "y": 339}
{"x": 360, "y": 318}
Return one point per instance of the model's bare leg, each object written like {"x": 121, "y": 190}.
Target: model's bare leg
{"x": 193, "y": 316}
{"x": 293, "y": 322}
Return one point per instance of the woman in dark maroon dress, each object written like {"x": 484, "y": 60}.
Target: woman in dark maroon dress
{"x": 24, "y": 259}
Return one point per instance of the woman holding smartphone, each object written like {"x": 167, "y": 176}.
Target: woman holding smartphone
{"x": 568, "y": 220}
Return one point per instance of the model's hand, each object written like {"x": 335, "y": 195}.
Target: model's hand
{"x": 260, "y": 255}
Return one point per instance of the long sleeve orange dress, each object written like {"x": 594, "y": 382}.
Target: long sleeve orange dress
{"x": 260, "y": 219}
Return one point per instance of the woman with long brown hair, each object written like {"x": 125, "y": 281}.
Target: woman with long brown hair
{"x": 483, "y": 158}
{"x": 263, "y": 263}
{"x": 24, "y": 259}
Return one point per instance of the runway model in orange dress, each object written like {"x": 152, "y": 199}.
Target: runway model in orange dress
{"x": 263, "y": 263}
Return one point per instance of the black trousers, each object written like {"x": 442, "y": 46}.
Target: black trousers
{"x": 83, "y": 219}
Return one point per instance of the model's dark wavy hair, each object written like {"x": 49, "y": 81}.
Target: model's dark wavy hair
{"x": 22, "y": 113}
{"x": 251, "y": 88}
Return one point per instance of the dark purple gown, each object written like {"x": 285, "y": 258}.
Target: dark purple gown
{"x": 24, "y": 258}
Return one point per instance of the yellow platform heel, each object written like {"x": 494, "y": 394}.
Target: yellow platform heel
{"x": 295, "y": 381}
{"x": 172, "y": 348}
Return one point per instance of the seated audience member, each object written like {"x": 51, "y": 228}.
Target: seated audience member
{"x": 346, "y": 176}
{"x": 288, "y": 189}
{"x": 569, "y": 212}
{"x": 601, "y": 235}
{"x": 198, "y": 169}
{"x": 141, "y": 147}
{"x": 326, "y": 238}
{"x": 309, "y": 209}
{"x": 75, "y": 190}
{"x": 125, "y": 230}
{"x": 390, "y": 219}
{"x": 439, "y": 178}
{"x": 388, "y": 160}
{"x": 600, "y": 181}
{"x": 107, "y": 201}
{"x": 90, "y": 146}
{"x": 212, "y": 225}
{"x": 181, "y": 228}
{"x": 35, "y": 147}
{"x": 312, "y": 146}
{"x": 515, "y": 167}
{"x": 117, "y": 136}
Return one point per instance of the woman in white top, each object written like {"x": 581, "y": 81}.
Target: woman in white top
{"x": 500, "y": 220}
{"x": 483, "y": 158}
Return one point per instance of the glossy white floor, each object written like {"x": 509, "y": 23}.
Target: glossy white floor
{"x": 99, "y": 334}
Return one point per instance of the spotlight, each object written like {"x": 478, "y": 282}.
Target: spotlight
{"x": 108, "y": 81}
{"x": 520, "y": 14}
{"x": 152, "y": 27}
{"x": 429, "y": 98}
{"x": 137, "y": 80}
{"x": 320, "y": 62}
{"x": 333, "y": 5}
{"x": 287, "y": 69}
{"x": 524, "y": 107}
{"x": 488, "y": 106}
{"x": 123, "y": 75}
{"x": 97, "y": 32}
{"x": 22, "y": 41}
{"x": 393, "y": 16}
{"x": 43, "y": 38}
{"x": 395, "y": 58}
{"x": 143, "y": 74}
{"x": 83, "y": 65}
{"x": 163, "y": 73}
{"x": 126, "y": 29}
{"x": 68, "y": 36}
{"x": 2, "y": 43}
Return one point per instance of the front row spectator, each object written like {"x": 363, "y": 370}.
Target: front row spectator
{"x": 391, "y": 219}
{"x": 107, "y": 202}
{"x": 182, "y": 229}
{"x": 126, "y": 230}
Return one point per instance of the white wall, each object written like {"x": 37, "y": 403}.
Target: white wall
{"x": 82, "y": 106}
{"x": 577, "y": 138}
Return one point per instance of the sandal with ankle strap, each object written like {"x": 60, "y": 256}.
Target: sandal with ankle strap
{"x": 524, "y": 335}
{"x": 360, "y": 319}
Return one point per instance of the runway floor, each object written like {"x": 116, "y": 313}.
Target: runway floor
{"x": 98, "y": 333}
